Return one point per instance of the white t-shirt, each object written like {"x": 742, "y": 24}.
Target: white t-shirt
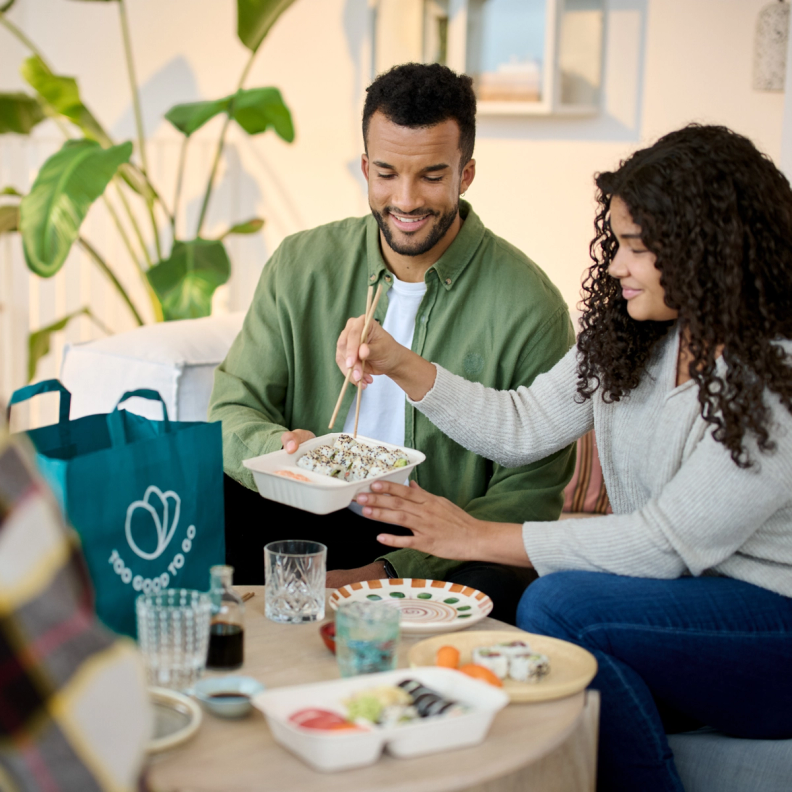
{"x": 382, "y": 403}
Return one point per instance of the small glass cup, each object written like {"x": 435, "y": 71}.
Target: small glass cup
{"x": 367, "y": 637}
{"x": 295, "y": 572}
{"x": 173, "y": 635}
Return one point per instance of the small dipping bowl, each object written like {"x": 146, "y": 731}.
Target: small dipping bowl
{"x": 327, "y": 631}
{"x": 228, "y": 697}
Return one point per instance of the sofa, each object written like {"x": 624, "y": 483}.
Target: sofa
{"x": 178, "y": 359}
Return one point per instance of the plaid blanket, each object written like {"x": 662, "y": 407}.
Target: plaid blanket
{"x": 73, "y": 709}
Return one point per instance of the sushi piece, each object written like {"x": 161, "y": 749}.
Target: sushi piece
{"x": 528, "y": 667}
{"x": 491, "y": 658}
{"x": 511, "y": 648}
{"x": 358, "y": 470}
{"x": 324, "y": 451}
{"x": 345, "y": 443}
{"x": 322, "y": 466}
{"x": 427, "y": 702}
{"x": 377, "y": 469}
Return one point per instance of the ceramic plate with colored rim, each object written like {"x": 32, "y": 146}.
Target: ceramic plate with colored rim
{"x": 427, "y": 606}
{"x": 571, "y": 667}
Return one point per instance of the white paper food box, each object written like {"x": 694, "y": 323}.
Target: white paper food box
{"x": 343, "y": 750}
{"x": 321, "y": 494}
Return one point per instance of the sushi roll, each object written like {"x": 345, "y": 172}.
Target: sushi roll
{"x": 528, "y": 667}
{"x": 344, "y": 460}
{"x": 377, "y": 469}
{"x": 491, "y": 658}
{"x": 345, "y": 443}
{"x": 511, "y": 648}
{"x": 322, "y": 466}
{"x": 358, "y": 470}
{"x": 324, "y": 451}
{"x": 387, "y": 456}
{"x": 427, "y": 702}
{"x": 308, "y": 462}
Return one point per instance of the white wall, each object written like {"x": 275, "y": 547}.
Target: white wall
{"x": 668, "y": 62}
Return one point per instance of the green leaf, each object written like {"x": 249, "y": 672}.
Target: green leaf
{"x": 257, "y": 109}
{"x": 248, "y": 227}
{"x": 39, "y": 341}
{"x": 19, "y": 113}
{"x": 256, "y": 17}
{"x": 63, "y": 96}
{"x": 188, "y": 118}
{"x": 187, "y": 280}
{"x": 7, "y": 6}
{"x": 10, "y": 191}
{"x": 9, "y": 219}
{"x": 66, "y": 186}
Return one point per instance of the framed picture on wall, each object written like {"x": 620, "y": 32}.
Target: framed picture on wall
{"x": 526, "y": 57}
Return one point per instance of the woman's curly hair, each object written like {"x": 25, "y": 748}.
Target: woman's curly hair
{"x": 718, "y": 216}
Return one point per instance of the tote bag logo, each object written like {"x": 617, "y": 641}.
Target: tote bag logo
{"x": 164, "y": 520}
{"x": 152, "y": 522}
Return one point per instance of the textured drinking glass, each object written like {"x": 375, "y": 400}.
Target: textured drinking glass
{"x": 367, "y": 637}
{"x": 173, "y": 635}
{"x": 295, "y": 575}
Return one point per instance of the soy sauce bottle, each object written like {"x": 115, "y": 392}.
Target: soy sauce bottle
{"x": 226, "y": 630}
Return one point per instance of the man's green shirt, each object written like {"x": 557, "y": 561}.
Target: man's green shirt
{"x": 489, "y": 314}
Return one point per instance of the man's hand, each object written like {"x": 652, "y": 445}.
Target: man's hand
{"x": 343, "y": 577}
{"x": 291, "y": 440}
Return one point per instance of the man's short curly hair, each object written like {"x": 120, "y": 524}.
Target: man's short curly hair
{"x": 422, "y": 95}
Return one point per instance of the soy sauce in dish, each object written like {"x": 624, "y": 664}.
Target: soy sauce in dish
{"x": 228, "y": 695}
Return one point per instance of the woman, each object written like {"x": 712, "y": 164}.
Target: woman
{"x": 684, "y": 594}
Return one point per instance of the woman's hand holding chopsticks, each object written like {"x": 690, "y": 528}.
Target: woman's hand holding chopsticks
{"x": 382, "y": 355}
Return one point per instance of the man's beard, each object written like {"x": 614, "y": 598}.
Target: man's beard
{"x": 438, "y": 231}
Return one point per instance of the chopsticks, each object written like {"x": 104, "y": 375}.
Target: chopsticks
{"x": 371, "y": 307}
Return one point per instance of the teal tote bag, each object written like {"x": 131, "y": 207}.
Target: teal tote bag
{"x": 146, "y": 498}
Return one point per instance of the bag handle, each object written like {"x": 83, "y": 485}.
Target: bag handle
{"x": 115, "y": 422}
{"x": 47, "y": 386}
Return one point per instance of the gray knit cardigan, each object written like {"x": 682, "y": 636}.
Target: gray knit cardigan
{"x": 681, "y": 506}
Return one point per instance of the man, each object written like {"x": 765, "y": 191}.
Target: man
{"x": 74, "y": 711}
{"x": 453, "y": 291}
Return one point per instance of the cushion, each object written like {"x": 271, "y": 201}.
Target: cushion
{"x": 177, "y": 359}
{"x": 709, "y": 761}
{"x": 586, "y": 492}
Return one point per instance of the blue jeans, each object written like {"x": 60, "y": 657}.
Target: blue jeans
{"x": 672, "y": 655}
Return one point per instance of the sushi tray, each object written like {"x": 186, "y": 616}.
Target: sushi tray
{"x": 326, "y": 473}
{"x": 569, "y": 670}
{"x": 347, "y": 723}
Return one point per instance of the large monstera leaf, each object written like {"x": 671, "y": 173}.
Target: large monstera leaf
{"x": 187, "y": 280}
{"x": 63, "y": 96}
{"x": 66, "y": 186}
{"x": 254, "y": 109}
{"x": 19, "y": 113}
{"x": 256, "y": 17}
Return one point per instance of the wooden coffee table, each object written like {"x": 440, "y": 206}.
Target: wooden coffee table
{"x": 549, "y": 746}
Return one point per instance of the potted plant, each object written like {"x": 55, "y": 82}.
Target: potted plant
{"x": 179, "y": 281}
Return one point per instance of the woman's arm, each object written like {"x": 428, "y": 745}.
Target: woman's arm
{"x": 512, "y": 428}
